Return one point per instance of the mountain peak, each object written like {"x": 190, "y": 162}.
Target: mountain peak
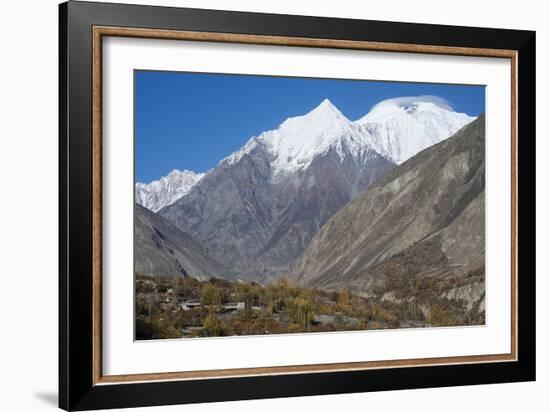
{"x": 325, "y": 108}
{"x": 326, "y": 104}
{"x": 298, "y": 140}
{"x": 177, "y": 172}
{"x": 403, "y": 126}
{"x": 324, "y": 117}
{"x": 409, "y": 105}
{"x": 167, "y": 189}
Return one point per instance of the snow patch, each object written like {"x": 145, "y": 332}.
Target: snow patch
{"x": 166, "y": 190}
{"x": 299, "y": 140}
{"x": 402, "y": 127}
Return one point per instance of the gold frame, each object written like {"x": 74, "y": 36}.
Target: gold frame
{"x": 101, "y": 31}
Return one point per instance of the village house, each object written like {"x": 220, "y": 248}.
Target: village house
{"x": 226, "y": 306}
{"x": 234, "y": 306}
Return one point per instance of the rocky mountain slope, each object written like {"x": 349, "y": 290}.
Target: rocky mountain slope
{"x": 424, "y": 218}
{"x": 165, "y": 191}
{"x": 259, "y": 208}
{"x": 161, "y": 249}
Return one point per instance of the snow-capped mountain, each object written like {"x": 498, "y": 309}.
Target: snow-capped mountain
{"x": 258, "y": 209}
{"x": 165, "y": 191}
{"x": 395, "y": 128}
{"x": 299, "y": 140}
{"x": 400, "y": 128}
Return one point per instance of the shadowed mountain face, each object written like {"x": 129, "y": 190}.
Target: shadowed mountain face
{"x": 424, "y": 218}
{"x": 162, "y": 249}
{"x": 257, "y": 223}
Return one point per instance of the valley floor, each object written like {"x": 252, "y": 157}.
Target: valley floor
{"x": 184, "y": 307}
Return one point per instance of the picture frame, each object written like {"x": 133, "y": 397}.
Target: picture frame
{"x": 83, "y": 385}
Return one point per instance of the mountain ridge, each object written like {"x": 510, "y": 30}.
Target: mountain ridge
{"x": 166, "y": 190}
{"x": 161, "y": 249}
{"x": 430, "y": 206}
{"x": 392, "y": 128}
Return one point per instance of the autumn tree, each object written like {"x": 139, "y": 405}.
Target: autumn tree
{"x": 211, "y": 295}
{"x": 443, "y": 316}
{"x": 213, "y": 326}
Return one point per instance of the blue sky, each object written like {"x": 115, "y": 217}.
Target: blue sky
{"x": 193, "y": 120}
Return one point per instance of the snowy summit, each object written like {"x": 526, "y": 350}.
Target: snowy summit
{"x": 299, "y": 140}
{"x": 400, "y": 128}
{"x": 165, "y": 191}
{"x": 395, "y": 128}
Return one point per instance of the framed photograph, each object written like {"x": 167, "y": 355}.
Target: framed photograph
{"x": 256, "y": 206}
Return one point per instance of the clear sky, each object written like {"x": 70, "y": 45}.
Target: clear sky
{"x": 193, "y": 120}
